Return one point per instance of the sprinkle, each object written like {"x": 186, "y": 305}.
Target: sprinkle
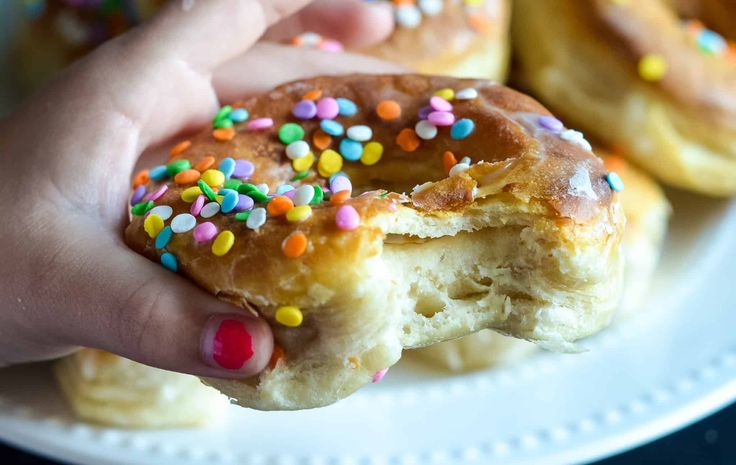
{"x": 321, "y": 139}
{"x": 177, "y": 166}
{"x": 466, "y": 94}
{"x": 372, "y": 153}
{"x": 223, "y": 134}
{"x": 446, "y": 94}
{"x": 550, "y": 123}
{"x": 653, "y": 67}
{"x": 260, "y": 123}
{"x": 141, "y": 208}
{"x": 227, "y": 166}
{"x": 222, "y": 113}
{"x": 466, "y": 160}
{"x": 204, "y": 164}
{"x": 247, "y": 188}
{"x": 408, "y": 140}
{"x": 279, "y": 205}
{"x": 164, "y": 211}
{"x": 341, "y": 183}
{"x": 223, "y": 243}
{"x": 295, "y": 244}
{"x": 290, "y": 132}
{"x": 168, "y": 260}
{"x": 289, "y": 316}
{"x": 448, "y": 161}
{"x": 347, "y": 218}
{"x": 360, "y": 133}
{"x": 327, "y": 108}
{"x": 431, "y": 7}
{"x": 153, "y": 224}
{"x": 439, "y": 104}
{"x": 190, "y": 194}
{"x": 408, "y": 16}
{"x": 575, "y": 137}
{"x": 204, "y": 232}
{"x": 614, "y": 180}
{"x": 297, "y": 149}
{"x": 346, "y": 107}
{"x": 379, "y": 375}
{"x": 210, "y": 209}
{"x": 163, "y": 238}
{"x": 462, "y": 128}
{"x": 256, "y": 219}
{"x": 158, "y": 173}
{"x": 244, "y": 203}
{"x": 257, "y": 196}
{"x": 222, "y": 124}
{"x": 262, "y": 188}
{"x": 424, "y": 112}
{"x": 330, "y": 162}
{"x": 299, "y": 214}
{"x": 388, "y": 110}
{"x": 180, "y": 148}
{"x": 711, "y": 42}
{"x": 244, "y": 169}
{"x": 305, "y": 109}
{"x": 319, "y": 196}
{"x": 425, "y": 130}
{"x": 229, "y": 201}
{"x": 213, "y": 178}
{"x": 301, "y": 165}
{"x": 351, "y": 150}
{"x": 441, "y": 118}
{"x": 232, "y": 184}
{"x": 197, "y": 205}
{"x": 331, "y": 127}
{"x": 242, "y": 216}
{"x": 140, "y": 178}
{"x": 186, "y": 177}
{"x": 312, "y": 95}
{"x": 277, "y": 356}
{"x": 459, "y": 168}
{"x": 303, "y": 195}
{"x": 239, "y": 115}
{"x": 339, "y": 197}
{"x": 183, "y": 222}
{"x": 138, "y": 194}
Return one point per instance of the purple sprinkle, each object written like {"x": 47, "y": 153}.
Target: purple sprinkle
{"x": 197, "y": 205}
{"x": 138, "y": 194}
{"x": 425, "y": 111}
{"x": 244, "y": 203}
{"x": 290, "y": 194}
{"x": 204, "y": 232}
{"x": 306, "y": 109}
{"x": 341, "y": 183}
{"x": 441, "y": 118}
{"x": 260, "y": 123}
{"x": 551, "y": 123}
{"x": 327, "y": 108}
{"x": 440, "y": 104}
{"x": 244, "y": 169}
{"x": 155, "y": 195}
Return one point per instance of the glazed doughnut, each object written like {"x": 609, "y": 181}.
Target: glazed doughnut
{"x": 635, "y": 75}
{"x": 647, "y": 214}
{"x": 522, "y": 236}
{"x": 110, "y": 390}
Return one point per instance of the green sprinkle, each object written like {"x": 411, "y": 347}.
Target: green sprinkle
{"x": 257, "y": 196}
{"x": 223, "y": 113}
{"x": 177, "y": 166}
{"x": 232, "y": 184}
{"x": 300, "y": 176}
{"x": 207, "y": 190}
{"x": 319, "y": 196}
{"x": 291, "y": 132}
{"x": 384, "y": 195}
{"x": 141, "y": 208}
{"x": 222, "y": 123}
{"x": 242, "y": 216}
{"x": 246, "y": 188}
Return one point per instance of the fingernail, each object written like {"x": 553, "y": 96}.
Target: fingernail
{"x": 226, "y": 342}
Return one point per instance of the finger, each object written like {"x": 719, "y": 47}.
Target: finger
{"x": 354, "y": 23}
{"x": 278, "y": 63}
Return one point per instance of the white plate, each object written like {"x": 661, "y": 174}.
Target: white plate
{"x": 674, "y": 364}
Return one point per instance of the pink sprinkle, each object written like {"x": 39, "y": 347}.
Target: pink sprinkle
{"x": 260, "y": 123}
{"x": 204, "y": 232}
{"x": 327, "y": 108}
{"x": 347, "y": 218}
{"x": 290, "y": 193}
{"x": 197, "y": 205}
{"x": 155, "y": 195}
{"x": 379, "y": 375}
{"x": 330, "y": 45}
{"x": 440, "y": 104}
{"x": 441, "y": 118}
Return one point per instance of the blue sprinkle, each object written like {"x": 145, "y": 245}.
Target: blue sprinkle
{"x": 230, "y": 201}
{"x": 351, "y": 150}
{"x": 614, "y": 180}
{"x": 163, "y": 238}
{"x": 711, "y": 42}
{"x": 346, "y": 107}
{"x": 462, "y": 128}
{"x": 284, "y": 188}
{"x": 227, "y": 166}
{"x": 331, "y": 127}
{"x": 239, "y": 115}
{"x": 158, "y": 173}
{"x": 169, "y": 262}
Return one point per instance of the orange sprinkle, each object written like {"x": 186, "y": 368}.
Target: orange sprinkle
{"x": 279, "y": 205}
{"x": 408, "y": 140}
{"x": 295, "y": 244}
{"x": 340, "y": 197}
{"x": 180, "y": 148}
{"x": 223, "y": 134}
{"x": 205, "y": 163}
{"x": 388, "y": 110}
{"x": 448, "y": 161}
{"x": 140, "y": 178}
{"x": 614, "y": 163}
{"x": 277, "y": 355}
{"x": 312, "y": 95}
{"x": 478, "y": 22}
{"x": 187, "y": 177}
{"x": 321, "y": 139}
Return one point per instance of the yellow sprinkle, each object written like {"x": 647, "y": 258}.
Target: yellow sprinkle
{"x": 446, "y": 93}
{"x": 653, "y": 67}
{"x": 330, "y": 162}
{"x": 300, "y": 213}
{"x": 472, "y": 3}
{"x": 153, "y": 224}
{"x": 303, "y": 163}
{"x": 289, "y": 316}
{"x": 213, "y": 178}
{"x": 190, "y": 194}
{"x": 223, "y": 243}
{"x": 372, "y": 153}
{"x": 219, "y": 198}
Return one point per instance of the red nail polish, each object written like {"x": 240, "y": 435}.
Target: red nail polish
{"x": 226, "y": 343}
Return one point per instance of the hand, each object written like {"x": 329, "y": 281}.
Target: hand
{"x": 67, "y": 278}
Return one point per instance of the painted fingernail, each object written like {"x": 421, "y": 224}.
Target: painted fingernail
{"x": 226, "y": 342}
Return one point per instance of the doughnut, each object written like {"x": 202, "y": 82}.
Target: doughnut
{"x": 636, "y": 75}
{"x": 110, "y": 390}
{"x": 360, "y": 215}
{"x": 647, "y": 213}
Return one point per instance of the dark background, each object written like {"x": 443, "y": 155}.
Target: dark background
{"x": 709, "y": 442}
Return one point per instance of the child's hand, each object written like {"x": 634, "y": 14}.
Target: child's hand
{"x": 67, "y": 279}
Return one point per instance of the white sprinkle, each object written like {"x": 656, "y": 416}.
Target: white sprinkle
{"x": 297, "y": 149}
{"x": 284, "y": 188}
{"x": 256, "y": 219}
{"x": 466, "y": 161}
{"x": 466, "y": 94}
{"x": 459, "y": 168}
{"x": 408, "y": 16}
{"x": 164, "y": 211}
{"x": 360, "y": 133}
{"x": 575, "y": 137}
{"x": 263, "y": 188}
{"x": 209, "y": 210}
{"x": 183, "y": 222}
{"x": 426, "y": 130}
{"x": 430, "y": 7}
{"x": 310, "y": 38}
{"x": 303, "y": 195}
